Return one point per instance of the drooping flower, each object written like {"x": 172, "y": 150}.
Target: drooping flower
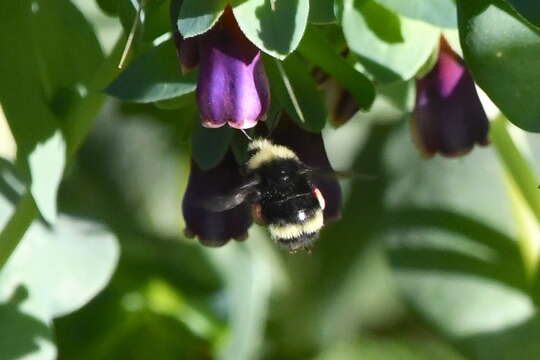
{"x": 211, "y": 227}
{"x": 448, "y": 117}
{"x": 232, "y": 86}
{"x": 341, "y": 104}
{"x": 310, "y": 150}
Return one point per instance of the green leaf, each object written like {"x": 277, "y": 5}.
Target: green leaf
{"x": 321, "y": 12}
{"x": 197, "y": 17}
{"x": 275, "y": 31}
{"x": 65, "y": 43}
{"x": 208, "y": 146}
{"x": 501, "y": 49}
{"x": 153, "y": 76}
{"x": 52, "y": 272}
{"x": 530, "y": 9}
{"x": 295, "y": 89}
{"x": 318, "y": 50}
{"x": 390, "y": 47}
{"x": 437, "y": 12}
{"x": 44, "y": 60}
{"x": 22, "y": 334}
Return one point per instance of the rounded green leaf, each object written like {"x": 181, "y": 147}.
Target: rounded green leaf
{"x": 53, "y": 271}
{"x": 197, "y": 17}
{"x": 437, "y": 12}
{"x": 277, "y": 31}
{"x": 153, "y": 76}
{"x": 208, "y": 146}
{"x": 390, "y": 47}
{"x": 502, "y": 50}
{"x": 63, "y": 268}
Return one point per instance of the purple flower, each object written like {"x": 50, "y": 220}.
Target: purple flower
{"x": 310, "y": 150}
{"x": 448, "y": 117}
{"x": 232, "y": 86}
{"x": 214, "y": 228}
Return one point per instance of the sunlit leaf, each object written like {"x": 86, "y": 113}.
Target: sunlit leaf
{"x": 276, "y": 31}
{"x": 197, "y": 17}
{"x": 500, "y": 49}
{"x": 52, "y": 272}
{"x": 437, "y": 12}
{"x": 390, "y": 47}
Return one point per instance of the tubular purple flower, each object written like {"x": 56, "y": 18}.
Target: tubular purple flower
{"x": 310, "y": 149}
{"x": 232, "y": 86}
{"x": 448, "y": 117}
{"x": 214, "y": 228}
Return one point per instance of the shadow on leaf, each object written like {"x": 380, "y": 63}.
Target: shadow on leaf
{"x": 19, "y": 332}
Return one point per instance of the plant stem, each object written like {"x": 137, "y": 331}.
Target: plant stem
{"x": 16, "y": 227}
{"x": 525, "y": 184}
{"x": 81, "y": 120}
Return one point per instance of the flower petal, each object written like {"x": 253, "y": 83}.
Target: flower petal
{"x": 232, "y": 85}
{"x": 214, "y": 228}
{"x": 448, "y": 117}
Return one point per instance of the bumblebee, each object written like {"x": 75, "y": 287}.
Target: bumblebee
{"x": 279, "y": 187}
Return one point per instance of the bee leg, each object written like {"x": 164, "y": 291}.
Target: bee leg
{"x": 256, "y": 212}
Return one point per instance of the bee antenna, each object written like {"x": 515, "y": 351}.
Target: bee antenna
{"x": 246, "y": 135}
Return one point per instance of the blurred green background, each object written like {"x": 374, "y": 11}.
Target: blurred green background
{"x": 433, "y": 259}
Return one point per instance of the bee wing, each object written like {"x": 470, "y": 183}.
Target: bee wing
{"x": 333, "y": 174}
{"x": 232, "y": 199}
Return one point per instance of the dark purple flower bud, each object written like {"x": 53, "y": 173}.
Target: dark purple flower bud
{"x": 232, "y": 86}
{"x": 214, "y": 228}
{"x": 342, "y": 106}
{"x": 310, "y": 150}
{"x": 186, "y": 49}
{"x": 448, "y": 117}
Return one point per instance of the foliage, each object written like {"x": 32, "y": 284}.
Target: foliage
{"x": 432, "y": 259}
